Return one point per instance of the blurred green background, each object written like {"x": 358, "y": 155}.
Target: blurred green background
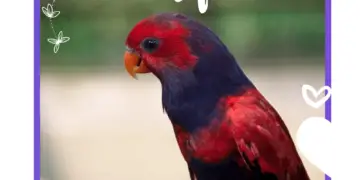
{"x": 254, "y": 30}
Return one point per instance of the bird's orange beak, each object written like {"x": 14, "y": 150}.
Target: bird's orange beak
{"x": 134, "y": 64}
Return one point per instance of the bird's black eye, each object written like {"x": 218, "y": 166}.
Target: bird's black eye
{"x": 150, "y": 44}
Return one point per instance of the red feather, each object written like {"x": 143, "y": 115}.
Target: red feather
{"x": 172, "y": 33}
{"x": 252, "y": 128}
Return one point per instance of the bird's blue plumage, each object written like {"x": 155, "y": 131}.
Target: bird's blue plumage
{"x": 189, "y": 97}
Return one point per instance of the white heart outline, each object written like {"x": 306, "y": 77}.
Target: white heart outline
{"x": 315, "y": 93}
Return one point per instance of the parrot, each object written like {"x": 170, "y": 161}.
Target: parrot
{"x": 224, "y": 127}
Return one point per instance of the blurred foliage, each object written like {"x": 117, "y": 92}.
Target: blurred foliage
{"x": 254, "y": 30}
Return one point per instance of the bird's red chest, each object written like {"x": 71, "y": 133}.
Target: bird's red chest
{"x": 210, "y": 145}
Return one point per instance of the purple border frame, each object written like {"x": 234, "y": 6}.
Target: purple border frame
{"x": 36, "y": 89}
{"x": 37, "y": 78}
{"x": 328, "y": 60}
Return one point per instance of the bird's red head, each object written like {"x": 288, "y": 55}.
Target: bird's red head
{"x": 194, "y": 66}
{"x": 156, "y": 43}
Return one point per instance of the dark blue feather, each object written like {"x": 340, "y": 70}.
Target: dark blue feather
{"x": 189, "y": 97}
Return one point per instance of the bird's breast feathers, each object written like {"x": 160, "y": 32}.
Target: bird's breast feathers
{"x": 250, "y": 129}
{"x": 209, "y": 145}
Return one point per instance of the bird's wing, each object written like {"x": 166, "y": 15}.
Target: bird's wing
{"x": 262, "y": 139}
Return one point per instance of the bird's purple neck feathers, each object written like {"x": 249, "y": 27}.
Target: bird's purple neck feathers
{"x": 190, "y": 97}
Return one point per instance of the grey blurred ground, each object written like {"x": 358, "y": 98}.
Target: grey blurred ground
{"x": 109, "y": 126}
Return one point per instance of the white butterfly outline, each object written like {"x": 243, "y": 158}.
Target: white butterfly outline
{"x": 60, "y": 39}
{"x": 49, "y": 11}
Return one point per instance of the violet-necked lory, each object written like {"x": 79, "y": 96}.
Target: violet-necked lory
{"x": 225, "y": 128}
